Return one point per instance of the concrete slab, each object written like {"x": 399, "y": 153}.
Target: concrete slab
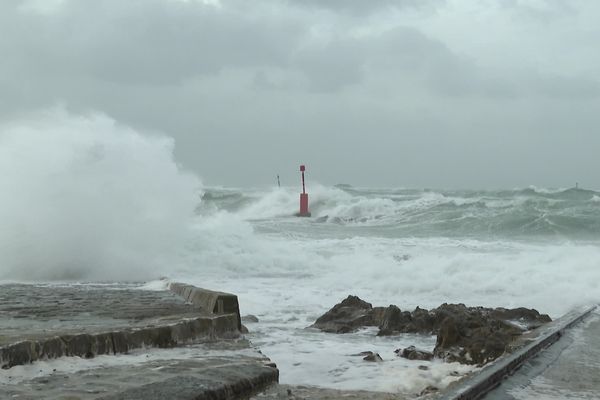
{"x": 218, "y": 370}
{"x": 39, "y": 322}
{"x": 35, "y": 311}
{"x": 115, "y": 342}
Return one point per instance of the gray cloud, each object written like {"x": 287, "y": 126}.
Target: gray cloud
{"x": 360, "y": 7}
{"x": 398, "y": 98}
{"x": 143, "y": 42}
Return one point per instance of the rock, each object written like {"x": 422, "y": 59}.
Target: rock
{"x": 473, "y": 339}
{"x": 469, "y": 335}
{"x": 524, "y": 317}
{"x": 250, "y": 319}
{"x": 448, "y": 334}
{"x": 429, "y": 390}
{"x": 395, "y": 321}
{"x": 412, "y": 353}
{"x": 372, "y": 357}
{"x": 244, "y": 330}
{"x": 423, "y": 367}
{"x": 422, "y": 321}
{"x": 369, "y": 356}
{"x": 348, "y": 316}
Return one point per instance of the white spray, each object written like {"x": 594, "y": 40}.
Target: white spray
{"x": 85, "y": 198}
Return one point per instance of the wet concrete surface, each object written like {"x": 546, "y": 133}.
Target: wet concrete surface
{"x": 218, "y": 370}
{"x": 291, "y": 392}
{"x": 569, "y": 369}
{"x": 122, "y": 341}
{"x": 38, "y": 311}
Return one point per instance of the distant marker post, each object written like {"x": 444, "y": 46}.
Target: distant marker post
{"x": 303, "y": 197}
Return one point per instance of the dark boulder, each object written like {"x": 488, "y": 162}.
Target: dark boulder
{"x": 348, "y": 316}
{"x": 394, "y": 321}
{"x": 369, "y": 356}
{"x": 472, "y": 339}
{"x": 412, "y": 353}
{"x": 478, "y": 335}
{"x": 372, "y": 357}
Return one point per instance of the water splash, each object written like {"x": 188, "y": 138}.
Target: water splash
{"x": 84, "y": 197}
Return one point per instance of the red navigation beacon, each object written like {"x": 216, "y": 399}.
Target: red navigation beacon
{"x": 303, "y": 197}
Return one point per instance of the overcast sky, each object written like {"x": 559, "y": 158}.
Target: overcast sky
{"x": 413, "y": 93}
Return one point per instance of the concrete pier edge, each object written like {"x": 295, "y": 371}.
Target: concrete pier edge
{"x": 222, "y": 320}
{"x": 478, "y": 385}
{"x": 211, "y": 301}
{"x": 216, "y": 376}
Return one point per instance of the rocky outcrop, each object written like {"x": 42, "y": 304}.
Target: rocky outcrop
{"x": 478, "y": 335}
{"x": 469, "y": 335}
{"x": 395, "y": 321}
{"x": 348, "y": 316}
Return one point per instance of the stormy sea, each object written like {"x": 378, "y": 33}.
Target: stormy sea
{"x": 93, "y": 201}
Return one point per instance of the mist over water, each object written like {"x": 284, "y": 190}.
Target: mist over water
{"x": 84, "y": 198}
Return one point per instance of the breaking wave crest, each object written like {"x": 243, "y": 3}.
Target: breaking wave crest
{"x": 569, "y": 213}
{"x": 87, "y": 198}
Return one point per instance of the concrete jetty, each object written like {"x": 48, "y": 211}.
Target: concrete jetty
{"x": 125, "y": 342}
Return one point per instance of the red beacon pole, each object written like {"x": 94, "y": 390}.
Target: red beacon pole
{"x": 303, "y": 197}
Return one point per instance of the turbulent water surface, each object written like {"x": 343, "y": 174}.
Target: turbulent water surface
{"x": 86, "y": 199}
{"x": 524, "y": 247}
